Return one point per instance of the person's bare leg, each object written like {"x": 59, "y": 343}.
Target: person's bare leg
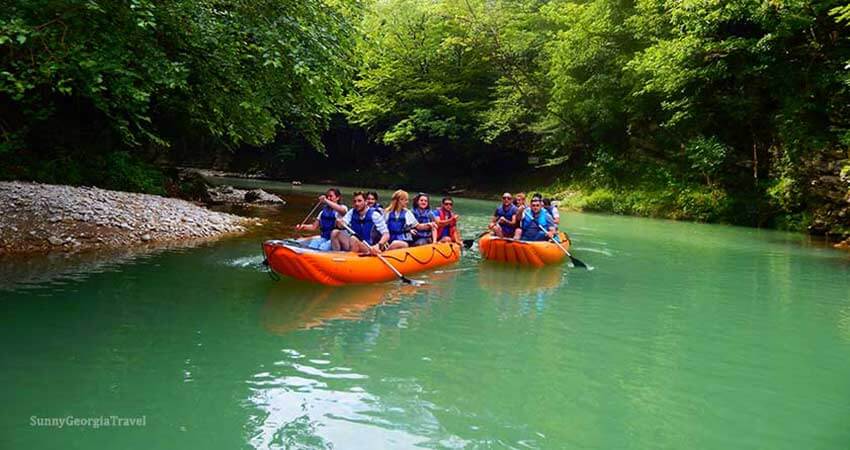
{"x": 518, "y": 233}
{"x": 397, "y": 244}
{"x": 336, "y": 244}
{"x": 358, "y": 246}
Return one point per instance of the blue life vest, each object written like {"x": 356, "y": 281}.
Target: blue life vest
{"x": 507, "y": 228}
{"x": 531, "y": 226}
{"x": 395, "y": 223}
{"x": 363, "y": 227}
{"x": 423, "y": 216}
{"x": 327, "y": 221}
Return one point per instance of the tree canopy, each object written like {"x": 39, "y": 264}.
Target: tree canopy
{"x": 734, "y": 102}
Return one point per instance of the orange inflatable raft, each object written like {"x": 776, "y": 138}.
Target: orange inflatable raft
{"x": 338, "y": 268}
{"x": 523, "y": 253}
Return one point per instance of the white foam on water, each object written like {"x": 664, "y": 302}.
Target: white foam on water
{"x": 245, "y": 261}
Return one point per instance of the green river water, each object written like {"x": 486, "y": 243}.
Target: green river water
{"x": 684, "y": 336}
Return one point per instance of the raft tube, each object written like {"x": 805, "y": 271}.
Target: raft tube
{"x": 522, "y": 253}
{"x": 339, "y": 268}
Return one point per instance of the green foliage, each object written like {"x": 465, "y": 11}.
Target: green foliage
{"x": 698, "y": 102}
{"x": 696, "y": 109}
{"x": 126, "y": 173}
{"x": 420, "y": 74}
{"x": 136, "y": 74}
{"x": 706, "y": 156}
{"x": 599, "y": 200}
{"x": 692, "y": 202}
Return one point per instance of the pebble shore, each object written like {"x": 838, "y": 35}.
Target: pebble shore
{"x": 43, "y": 217}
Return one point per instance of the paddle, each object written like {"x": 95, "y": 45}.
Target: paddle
{"x": 467, "y": 243}
{"x": 574, "y": 260}
{"x": 400, "y": 276}
{"x": 310, "y": 214}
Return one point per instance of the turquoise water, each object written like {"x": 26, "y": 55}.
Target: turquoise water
{"x": 683, "y": 336}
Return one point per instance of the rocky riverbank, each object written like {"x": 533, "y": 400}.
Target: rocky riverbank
{"x": 43, "y": 217}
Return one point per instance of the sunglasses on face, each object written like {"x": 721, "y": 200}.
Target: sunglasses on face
{"x": 448, "y": 203}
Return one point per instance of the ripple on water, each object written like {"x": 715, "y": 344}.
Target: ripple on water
{"x": 292, "y": 409}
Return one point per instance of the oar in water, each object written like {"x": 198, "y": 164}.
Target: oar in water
{"x": 400, "y": 276}
{"x": 573, "y": 259}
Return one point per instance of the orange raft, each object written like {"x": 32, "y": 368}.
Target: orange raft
{"x": 523, "y": 253}
{"x": 338, "y": 268}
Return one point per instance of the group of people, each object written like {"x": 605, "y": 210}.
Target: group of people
{"x": 537, "y": 220}
{"x": 367, "y": 227}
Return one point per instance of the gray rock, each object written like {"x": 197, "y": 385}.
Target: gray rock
{"x": 55, "y": 240}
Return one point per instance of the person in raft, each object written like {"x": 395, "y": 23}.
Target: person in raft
{"x": 325, "y": 222}
{"x": 447, "y": 222}
{"x": 361, "y": 220}
{"x": 552, "y": 209}
{"x": 521, "y": 206}
{"x": 372, "y": 200}
{"x": 426, "y": 231}
{"x": 532, "y": 220}
{"x": 503, "y": 222}
{"x": 400, "y": 221}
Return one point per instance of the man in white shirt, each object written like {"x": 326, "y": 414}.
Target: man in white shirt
{"x": 358, "y": 224}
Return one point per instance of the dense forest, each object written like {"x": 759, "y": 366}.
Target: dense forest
{"x": 735, "y": 111}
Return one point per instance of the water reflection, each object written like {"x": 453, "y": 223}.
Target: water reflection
{"x": 502, "y": 279}
{"x": 33, "y": 270}
{"x": 292, "y": 305}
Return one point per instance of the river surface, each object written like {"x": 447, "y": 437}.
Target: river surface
{"x": 684, "y": 336}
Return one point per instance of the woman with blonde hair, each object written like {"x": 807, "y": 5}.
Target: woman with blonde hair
{"x": 399, "y": 221}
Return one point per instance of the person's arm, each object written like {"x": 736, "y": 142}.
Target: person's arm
{"x": 556, "y": 216}
{"x": 443, "y": 222}
{"x": 517, "y": 220}
{"x": 420, "y": 226}
{"x": 456, "y": 232}
{"x": 340, "y": 209}
{"x": 308, "y": 226}
{"x": 409, "y": 218}
{"x": 345, "y": 221}
{"x": 381, "y": 226}
{"x": 550, "y": 224}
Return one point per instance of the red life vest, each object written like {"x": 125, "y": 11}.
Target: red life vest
{"x": 445, "y": 230}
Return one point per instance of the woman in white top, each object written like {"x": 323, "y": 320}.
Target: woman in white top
{"x": 400, "y": 221}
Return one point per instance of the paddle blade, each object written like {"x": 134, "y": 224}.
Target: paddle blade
{"x": 467, "y": 243}
{"x": 406, "y": 280}
{"x": 576, "y": 262}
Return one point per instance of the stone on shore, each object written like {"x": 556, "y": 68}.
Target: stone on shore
{"x": 229, "y": 194}
{"x": 38, "y": 217}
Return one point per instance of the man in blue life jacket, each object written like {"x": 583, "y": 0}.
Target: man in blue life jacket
{"x": 325, "y": 222}
{"x": 536, "y": 224}
{"x": 361, "y": 220}
{"x": 503, "y": 222}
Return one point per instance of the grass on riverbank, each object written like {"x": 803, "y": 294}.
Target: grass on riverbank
{"x": 693, "y": 203}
